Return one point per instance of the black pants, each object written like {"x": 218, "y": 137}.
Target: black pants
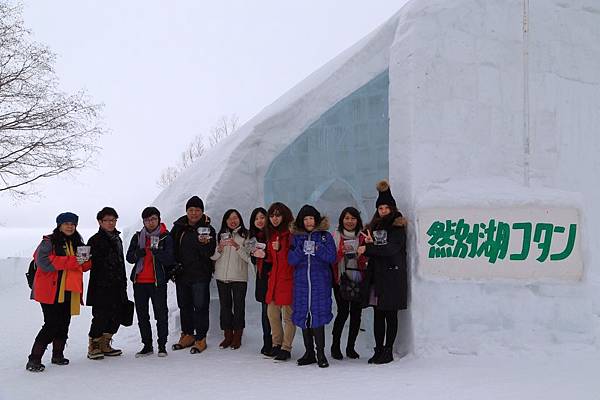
{"x": 57, "y": 318}
{"x": 193, "y": 300}
{"x": 344, "y": 309}
{"x": 105, "y": 319}
{"x": 385, "y": 326}
{"x": 142, "y": 294}
{"x": 232, "y": 299}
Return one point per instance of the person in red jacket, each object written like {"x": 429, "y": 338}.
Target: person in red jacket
{"x": 281, "y": 282}
{"x": 58, "y": 287}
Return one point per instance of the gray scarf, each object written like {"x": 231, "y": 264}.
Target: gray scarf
{"x": 144, "y": 234}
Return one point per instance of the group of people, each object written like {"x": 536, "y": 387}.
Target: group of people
{"x": 297, "y": 262}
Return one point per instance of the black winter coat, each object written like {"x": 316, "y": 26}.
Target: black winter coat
{"x": 387, "y": 270}
{"x": 108, "y": 283}
{"x": 193, "y": 256}
{"x": 162, "y": 258}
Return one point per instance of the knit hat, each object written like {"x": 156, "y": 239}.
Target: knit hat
{"x": 307, "y": 211}
{"x": 385, "y": 194}
{"x": 150, "y": 211}
{"x": 195, "y": 201}
{"x": 67, "y": 217}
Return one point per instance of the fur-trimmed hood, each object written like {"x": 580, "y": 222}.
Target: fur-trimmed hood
{"x": 323, "y": 226}
{"x": 396, "y": 220}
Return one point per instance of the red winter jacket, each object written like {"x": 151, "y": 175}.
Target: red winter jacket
{"x": 45, "y": 283}
{"x": 281, "y": 280}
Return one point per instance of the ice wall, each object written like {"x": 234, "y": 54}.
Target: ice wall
{"x": 491, "y": 114}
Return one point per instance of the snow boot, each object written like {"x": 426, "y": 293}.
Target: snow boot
{"x": 94, "y": 352}
{"x": 352, "y": 334}
{"x": 162, "y": 350}
{"x": 228, "y": 334}
{"x": 319, "y": 334}
{"x": 106, "y": 348}
{"x": 336, "y": 353}
{"x": 236, "y": 340}
{"x": 351, "y": 353}
{"x": 34, "y": 363}
{"x": 267, "y": 345}
{"x": 199, "y": 346}
{"x": 376, "y": 355}
{"x": 58, "y": 348}
{"x": 185, "y": 340}
{"x": 309, "y": 356}
{"x": 386, "y": 356}
{"x": 274, "y": 351}
{"x": 145, "y": 351}
{"x": 283, "y": 355}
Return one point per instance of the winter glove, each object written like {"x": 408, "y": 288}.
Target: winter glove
{"x": 140, "y": 253}
{"x": 175, "y": 271}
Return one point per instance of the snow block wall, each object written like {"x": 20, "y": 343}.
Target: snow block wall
{"x": 496, "y": 105}
{"x": 491, "y": 104}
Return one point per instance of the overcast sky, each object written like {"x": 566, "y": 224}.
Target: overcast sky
{"x": 165, "y": 72}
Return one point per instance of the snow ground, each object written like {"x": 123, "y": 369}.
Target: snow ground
{"x": 244, "y": 374}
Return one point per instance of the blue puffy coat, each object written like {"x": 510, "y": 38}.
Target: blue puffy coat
{"x": 312, "y": 277}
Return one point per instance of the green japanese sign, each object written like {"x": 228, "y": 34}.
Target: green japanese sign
{"x": 491, "y": 240}
{"x": 525, "y": 242}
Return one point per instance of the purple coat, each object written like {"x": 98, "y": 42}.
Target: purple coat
{"x": 312, "y": 277}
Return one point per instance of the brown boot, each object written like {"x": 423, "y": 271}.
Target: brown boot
{"x": 94, "y": 352}
{"x": 228, "y": 333}
{"x": 236, "y": 341}
{"x": 199, "y": 346}
{"x": 106, "y": 348}
{"x": 185, "y": 340}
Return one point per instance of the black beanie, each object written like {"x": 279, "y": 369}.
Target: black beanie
{"x": 150, "y": 211}
{"x": 385, "y": 195}
{"x": 195, "y": 201}
{"x": 307, "y": 211}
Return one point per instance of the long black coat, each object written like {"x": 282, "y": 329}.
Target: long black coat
{"x": 193, "y": 256}
{"x": 387, "y": 271}
{"x": 108, "y": 282}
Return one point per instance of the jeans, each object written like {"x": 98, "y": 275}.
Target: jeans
{"x": 193, "y": 300}
{"x": 142, "y": 293}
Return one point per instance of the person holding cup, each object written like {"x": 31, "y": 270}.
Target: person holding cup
{"x": 311, "y": 254}
{"x": 194, "y": 243}
{"x": 231, "y": 272}
{"x": 348, "y": 273}
{"x": 257, "y": 235}
{"x": 280, "y": 286}
{"x": 107, "y": 288}
{"x": 386, "y": 280}
{"x": 151, "y": 252}
{"x": 58, "y": 287}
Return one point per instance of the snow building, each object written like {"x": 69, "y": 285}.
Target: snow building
{"x": 483, "y": 108}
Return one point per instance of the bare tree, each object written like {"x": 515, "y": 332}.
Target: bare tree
{"x": 43, "y": 132}
{"x": 167, "y": 176}
{"x": 225, "y": 126}
{"x": 194, "y": 151}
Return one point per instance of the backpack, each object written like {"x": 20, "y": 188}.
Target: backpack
{"x": 30, "y": 274}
